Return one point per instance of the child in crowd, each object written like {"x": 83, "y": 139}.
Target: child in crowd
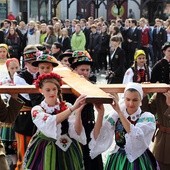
{"x": 63, "y": 58}
{"x": 3, "y": 56}
{"x": 13, "y": 66}
{"x": 7, "y": 132}
{"x": 139, "y": 72}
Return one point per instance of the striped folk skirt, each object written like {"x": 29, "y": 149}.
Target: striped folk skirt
{"x": 119, "y": 161}
{"x": 43, "y": 154}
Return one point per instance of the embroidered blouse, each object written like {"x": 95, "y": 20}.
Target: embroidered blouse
{"x": 128, "y": 77}
{"x": 46, "y": 122}
{"x": 136, "y": 142}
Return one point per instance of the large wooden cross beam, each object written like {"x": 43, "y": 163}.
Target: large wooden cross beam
{"x": 77, "y": 85}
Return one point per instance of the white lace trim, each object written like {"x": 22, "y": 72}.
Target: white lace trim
{"x": 50, "y": 109}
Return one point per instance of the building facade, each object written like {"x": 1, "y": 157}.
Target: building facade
{"x": 45, "y": 9}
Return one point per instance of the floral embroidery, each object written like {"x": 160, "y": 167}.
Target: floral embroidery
{"x": 64, "y": 142}
{"x": 111, "y": 121}
{"x": 146, "y": 119}
{"x": 34, "y": 114}
{"x": 120, "y": 133}
{"x": 45, "y": 117}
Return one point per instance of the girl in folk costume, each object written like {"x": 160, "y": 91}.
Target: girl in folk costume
{"x": 133, "y": 130}
{"x": 55, "y": 144}
{"x": 12, "y": 65}
{"x": 3, "y": 57}
{"x": 7, "y": 132}
{"x": 139, "y": 72}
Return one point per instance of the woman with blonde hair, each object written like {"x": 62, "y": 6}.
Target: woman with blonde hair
{"x": 64, "y": 39}
{"x": 33, "y": 35}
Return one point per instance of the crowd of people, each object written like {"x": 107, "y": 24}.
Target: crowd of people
{"x": 53, "y": 131}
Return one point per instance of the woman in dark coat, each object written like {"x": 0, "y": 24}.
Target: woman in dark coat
{"x": 13, "y": 41}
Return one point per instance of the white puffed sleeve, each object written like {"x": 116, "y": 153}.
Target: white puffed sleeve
{"x": 128, "y": 76}
{"x": 140, "y": 136}
{"x": 105, "y": 138}
{"x": 72, "y": 133}
{"x": 45, "y": 122}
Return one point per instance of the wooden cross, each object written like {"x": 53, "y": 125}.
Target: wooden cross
{"x": 77, "y": 85}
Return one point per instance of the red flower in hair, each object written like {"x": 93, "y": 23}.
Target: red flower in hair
{"x": 48, "y": 76}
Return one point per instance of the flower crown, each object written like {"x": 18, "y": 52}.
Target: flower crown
{"x": 41, "y": 78}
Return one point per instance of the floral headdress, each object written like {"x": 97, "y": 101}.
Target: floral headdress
{"x": 43, "y": 77}
{"x": 45, "y": 58}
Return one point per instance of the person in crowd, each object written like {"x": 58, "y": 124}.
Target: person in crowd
{"x": 167, "y": 27}
{"x": 74, "y": 22}
{"x": 115, "y": 30}
{"x": 63, "y": 58}
{"x": 146, "y": 38}
{"x": 23, "y": 125}
{"x": 125, "y": 43}
{"x": 57, "y": 29}
{"x": 81, "y": 65}
{"x": 43, "y": 32}
{"x": 160, "y": 71}
{"x": 3, "y": 57}
{"x": 64, "y": 39}
{"x": 6, "y": 25}
{"x": 8, "y": 114}
{"x": 104, "y": 51}
{"x": 12, "y": 65}
{"x": 86, "y": 31}
{"x": 131, "y": 14}
{"x": 159, "y": 38}
{"x": 119, "y": 24}
{"x": 14, "y": 24}
{"x": 139, "y": 72}
{"x": 134, "y": 39}
{"x": 13, "y": 41}
{"x": 94, "y": 47}
{"x": 45, "y": 64}
{"x": 90, "y": 21}
{"x": 56, "y": 50}
{"x": 78, "y": 39}
{"x": 159, "y": 105}
{"x": 59, "y": 129}
{"x": 2, "y": 36}
{"x": 19, "y": 17}
{"x": 50, "y": 38}
{"x": 133, "y": 130}
{"x": 7, "y": 132}
{"x": 68, "y": 26}
{"x": 117, "y": 61}
{"x": 22, "y": 27}
{"x": 11, "y": 16}
{"x": 54, "y": 20}
{"x": 33, "y": 35}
